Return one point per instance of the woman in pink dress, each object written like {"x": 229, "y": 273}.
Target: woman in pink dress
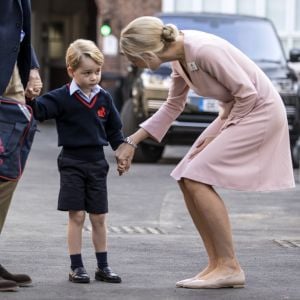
{"x": 246, "y": 148}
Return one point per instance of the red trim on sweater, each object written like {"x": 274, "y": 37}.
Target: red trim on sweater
{"x": 89, "y": 105}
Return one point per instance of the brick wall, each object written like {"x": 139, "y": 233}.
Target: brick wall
{"x": 120, "y": 13}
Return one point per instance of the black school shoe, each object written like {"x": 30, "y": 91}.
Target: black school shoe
{"x": 79, "y": 275}
{"x": 7, "y": 285}
{"x": 19, "y": 279}
{"x": 107, "y": 275}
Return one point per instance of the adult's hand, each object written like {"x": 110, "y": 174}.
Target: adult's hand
{"x": 125, "y": 152}
{"x": 225, "y": 109}
{"x": 201, "y": 146}
{"x": 34, "y": 84}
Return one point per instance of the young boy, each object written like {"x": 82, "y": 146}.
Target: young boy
{"x": 86, "y": 120}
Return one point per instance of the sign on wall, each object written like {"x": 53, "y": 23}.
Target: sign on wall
{"x": 110, "y": 45}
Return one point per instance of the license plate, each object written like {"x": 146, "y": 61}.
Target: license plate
{"x": 203, "y": 104}
{"x": 208, "y": 105}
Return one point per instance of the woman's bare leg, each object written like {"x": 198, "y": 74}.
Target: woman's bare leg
{"x": 200, "y": 225}
{"x": 211, "y": 219}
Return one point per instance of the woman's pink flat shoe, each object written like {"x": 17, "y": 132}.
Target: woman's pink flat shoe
{"x": 230, "y": 281}
{"x": 184, "y": 281}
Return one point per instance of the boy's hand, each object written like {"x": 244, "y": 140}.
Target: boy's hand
{"x": 122, "y": 166}
{"x": 34, "y": 85}
{"x": 124, "y": 155}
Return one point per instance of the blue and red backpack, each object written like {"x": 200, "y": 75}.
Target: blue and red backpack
{"x": 17, "y": 129}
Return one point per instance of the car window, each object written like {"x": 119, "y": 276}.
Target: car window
{"x": 256, "y": 38}
{"x": 164, "y": 70}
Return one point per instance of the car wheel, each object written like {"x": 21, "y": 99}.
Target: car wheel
{"x": 296, "y": 154}
{"x": 146, "y": 152}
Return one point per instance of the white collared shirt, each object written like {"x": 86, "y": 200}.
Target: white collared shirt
{"x": 75, "y": 88}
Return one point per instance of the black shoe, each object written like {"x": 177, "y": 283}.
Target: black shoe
{"x": 8, "y": 285}
{"x": 107, "y": 275}
{"x": 79, "y": 275}
{"x": 19, "y": 279}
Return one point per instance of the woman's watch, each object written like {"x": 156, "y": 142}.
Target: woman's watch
{"x": 130, "y": 142}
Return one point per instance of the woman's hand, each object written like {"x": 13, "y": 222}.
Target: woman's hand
{"x": 201, "y": 146}
{"x": 124, "y": 156}
{"x": 125, "y": 152}
{"x": 225, "y": 109}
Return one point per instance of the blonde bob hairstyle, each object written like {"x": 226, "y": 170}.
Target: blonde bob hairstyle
{"x": 146, "y": 35}
{"x": 80, "y": 48}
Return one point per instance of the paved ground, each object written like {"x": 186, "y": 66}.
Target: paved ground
{"x": 152, "y": 242}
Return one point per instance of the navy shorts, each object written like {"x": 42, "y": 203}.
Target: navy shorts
{"x": 82, "y": 185}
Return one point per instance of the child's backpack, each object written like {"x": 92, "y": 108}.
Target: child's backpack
{"x": 17, "y": 129}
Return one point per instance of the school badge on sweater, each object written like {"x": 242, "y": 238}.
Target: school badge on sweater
{"x": 101, "y": 112}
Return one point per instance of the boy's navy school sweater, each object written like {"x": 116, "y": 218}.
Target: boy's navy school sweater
{"x": 83, "y": 128}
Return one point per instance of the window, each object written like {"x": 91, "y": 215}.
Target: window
{"x": 296, "y": 43}
{"x": 56, "y": 40}
{"x": 276, "y": 11}
{"x": 297, "y": 15}
{"x": 181, "y": 6}
{"x": 246, "y": 7}
{"x": 212, "y": 5}
{"x": 285, "y": 44}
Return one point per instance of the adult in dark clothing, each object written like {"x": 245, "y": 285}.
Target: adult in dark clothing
{"x": 19, "y": 76}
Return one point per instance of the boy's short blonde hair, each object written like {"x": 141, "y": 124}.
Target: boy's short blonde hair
{"x": 82, "y": 47}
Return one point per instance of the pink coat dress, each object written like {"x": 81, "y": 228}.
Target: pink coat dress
{"x": 251, "y": 151}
